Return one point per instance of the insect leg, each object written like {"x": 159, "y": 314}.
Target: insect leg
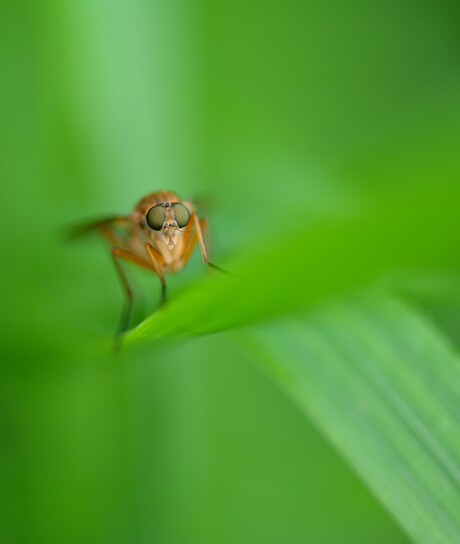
{"x": 117, "y": 254}
{"x": 156, "y": 267}
{"x": 189, "y": 244}
{"x": 201, "y": 226}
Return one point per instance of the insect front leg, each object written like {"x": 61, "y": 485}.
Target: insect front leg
{"x": 157, "y": 268}
{"x": 202, "y": 231}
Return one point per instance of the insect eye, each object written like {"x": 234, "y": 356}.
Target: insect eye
{"x": 156, "y": 217}
{"x": 182, "y": 215}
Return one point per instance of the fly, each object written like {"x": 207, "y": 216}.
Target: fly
{"x": 160, "y": 235}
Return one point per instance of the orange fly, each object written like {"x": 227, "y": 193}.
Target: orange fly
{"x": 160, "y": 235}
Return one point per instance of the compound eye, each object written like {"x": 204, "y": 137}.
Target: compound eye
{"x": 182, "y": 215}
{"x": 156, "y": 217}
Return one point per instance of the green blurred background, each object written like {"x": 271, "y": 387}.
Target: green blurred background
{"x": 265, "y": 110}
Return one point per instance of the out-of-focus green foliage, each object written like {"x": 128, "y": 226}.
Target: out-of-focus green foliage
{"x": 324, "y": 139}
{"x": 383, "y": 385}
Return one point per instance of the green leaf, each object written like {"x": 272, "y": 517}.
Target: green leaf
{"x": 296, "y": 265}
{"x": 384, "y": 387}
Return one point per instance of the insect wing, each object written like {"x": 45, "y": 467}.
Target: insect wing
{"x": 119, "y": 227}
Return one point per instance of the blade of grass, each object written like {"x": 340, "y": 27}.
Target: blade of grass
{"x": 295, "y": 267}
{"x": 384, "y": 387}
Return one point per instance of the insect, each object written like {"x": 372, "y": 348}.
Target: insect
{"x": 160, "y": 235}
